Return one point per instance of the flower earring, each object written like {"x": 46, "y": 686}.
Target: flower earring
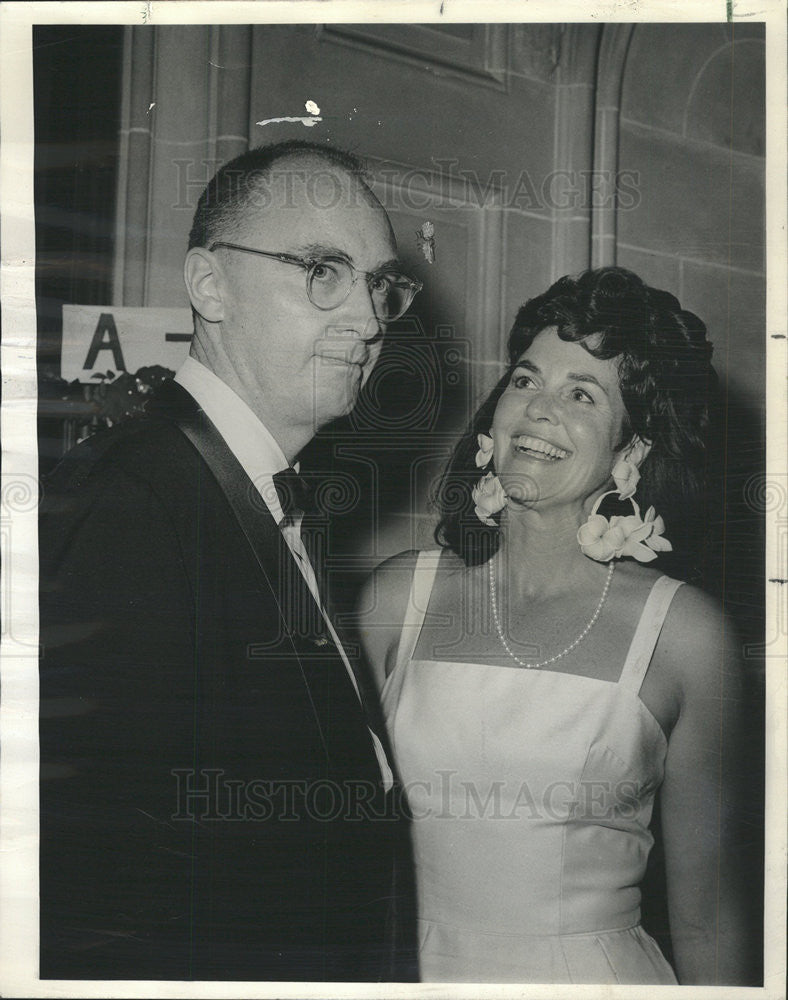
{"x": 488, "y": 495}
{"x": 626, "y": 477}
{"x": 485, "y": 452}
{"x": 640, "y": 538}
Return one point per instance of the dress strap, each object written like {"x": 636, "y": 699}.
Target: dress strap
{"x": 647, "y": 633}
{"x": 418, "y": 599}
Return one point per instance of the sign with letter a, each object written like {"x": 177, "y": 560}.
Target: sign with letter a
{"x": 101, "y": 339}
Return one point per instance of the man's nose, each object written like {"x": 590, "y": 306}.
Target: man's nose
{"x": 542, "y": 406}
{"x": 361, "y": 309}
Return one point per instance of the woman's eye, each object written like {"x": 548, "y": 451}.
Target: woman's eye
{"x": 521, "y": 381}
{"x": 581, "y": 396}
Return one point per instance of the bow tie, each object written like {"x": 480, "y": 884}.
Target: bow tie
{"x": 294, "y": 493}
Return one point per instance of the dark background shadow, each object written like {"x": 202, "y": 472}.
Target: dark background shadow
{"x": 725, "y": 555}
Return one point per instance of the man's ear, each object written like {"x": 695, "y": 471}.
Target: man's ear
{"x": 636, "y": 451}
{"x": 203, "y": 283}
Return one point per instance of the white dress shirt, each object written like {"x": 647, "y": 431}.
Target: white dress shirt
{"x": 260, "y": 456}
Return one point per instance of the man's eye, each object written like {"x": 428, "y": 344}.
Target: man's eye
{"x": 379, "y": 283}
{"x": 522, "y": 381}
{"x": 326, "y": 272}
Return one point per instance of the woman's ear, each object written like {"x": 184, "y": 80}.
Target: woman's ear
{"x": 203, "y": 283}
{"x": 636, "y": 451}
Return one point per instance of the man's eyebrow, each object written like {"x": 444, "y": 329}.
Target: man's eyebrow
{"x": 322, "y": 250}
{"x": 326, "y": 250}
{"x": 392, "y": 263}
{"x": 572, "y": 376}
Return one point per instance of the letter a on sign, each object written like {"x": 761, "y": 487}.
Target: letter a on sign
{"x": 136, "y": 337}
{"x": 105, "y": 328}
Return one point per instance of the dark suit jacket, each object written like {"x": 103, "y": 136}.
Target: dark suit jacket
{"x": 211, "y": 805}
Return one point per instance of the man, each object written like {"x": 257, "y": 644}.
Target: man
{"x": 213, "y": 802}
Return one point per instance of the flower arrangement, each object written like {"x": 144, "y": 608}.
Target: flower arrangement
{"x": 82, "y": 408}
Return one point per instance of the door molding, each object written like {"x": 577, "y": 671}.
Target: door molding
{"x": 611, "y": 65}
{"x": 445, "y": 196}
{"x": 483, "y": 58}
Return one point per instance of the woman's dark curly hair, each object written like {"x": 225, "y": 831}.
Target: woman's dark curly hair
{"x": 667, "y": 384}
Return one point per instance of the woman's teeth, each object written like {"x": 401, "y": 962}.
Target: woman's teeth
{"x": 539, "y": 448}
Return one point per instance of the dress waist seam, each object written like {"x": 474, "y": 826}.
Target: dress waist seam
{"x": 506, "y": 934}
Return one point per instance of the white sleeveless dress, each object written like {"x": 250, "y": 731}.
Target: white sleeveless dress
{"x": 531, "y": 793}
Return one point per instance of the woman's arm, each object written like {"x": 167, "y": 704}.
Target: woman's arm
{"x": 380, "y": 612}
{"x": 704, "y": 795}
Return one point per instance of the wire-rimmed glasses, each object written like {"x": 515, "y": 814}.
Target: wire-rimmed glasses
{"x": 330, "y": 280}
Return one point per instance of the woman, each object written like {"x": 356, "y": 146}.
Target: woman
{"x": 541, "y": 681}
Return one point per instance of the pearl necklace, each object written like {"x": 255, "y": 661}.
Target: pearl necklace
{"x": 571, "y": 646}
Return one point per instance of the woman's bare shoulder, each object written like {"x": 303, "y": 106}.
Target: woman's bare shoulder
{"x": 381, "y": 607}
{"x": 639, "y": 579}
{"x": 699, "y": 646}
{"x": 389, "y": 581}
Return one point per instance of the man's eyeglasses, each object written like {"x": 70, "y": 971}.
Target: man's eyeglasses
{"x": 330, "y": 280}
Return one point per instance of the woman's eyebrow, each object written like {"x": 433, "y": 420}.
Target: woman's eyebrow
{"x": 572, "y": 376}
{"x": 585, "y": 377}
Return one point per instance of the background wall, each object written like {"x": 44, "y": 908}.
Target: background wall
{"x": 697, "y": 141}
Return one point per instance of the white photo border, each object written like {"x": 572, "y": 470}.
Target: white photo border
{"x": 18, "y": 539}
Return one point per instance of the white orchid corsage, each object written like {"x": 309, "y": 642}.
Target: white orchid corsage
{"x": 631, "y": 535}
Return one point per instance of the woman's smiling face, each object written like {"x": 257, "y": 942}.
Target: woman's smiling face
{"x": 558, "y": 423}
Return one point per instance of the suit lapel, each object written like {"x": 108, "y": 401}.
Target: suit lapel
{"x": 174, "y": 403}
{"x": 315, "y": 655}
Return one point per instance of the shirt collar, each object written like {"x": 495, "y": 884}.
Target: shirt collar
{"x": 245, "y": 434}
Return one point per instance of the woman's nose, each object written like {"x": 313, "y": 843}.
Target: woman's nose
{"x": 541, "y": 406}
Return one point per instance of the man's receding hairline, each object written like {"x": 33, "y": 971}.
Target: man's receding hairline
{"x": 310, "y": 157}
{"x": 299, "y": 158}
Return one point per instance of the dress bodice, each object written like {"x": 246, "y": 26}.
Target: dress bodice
{"x": 531, "y": 793}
